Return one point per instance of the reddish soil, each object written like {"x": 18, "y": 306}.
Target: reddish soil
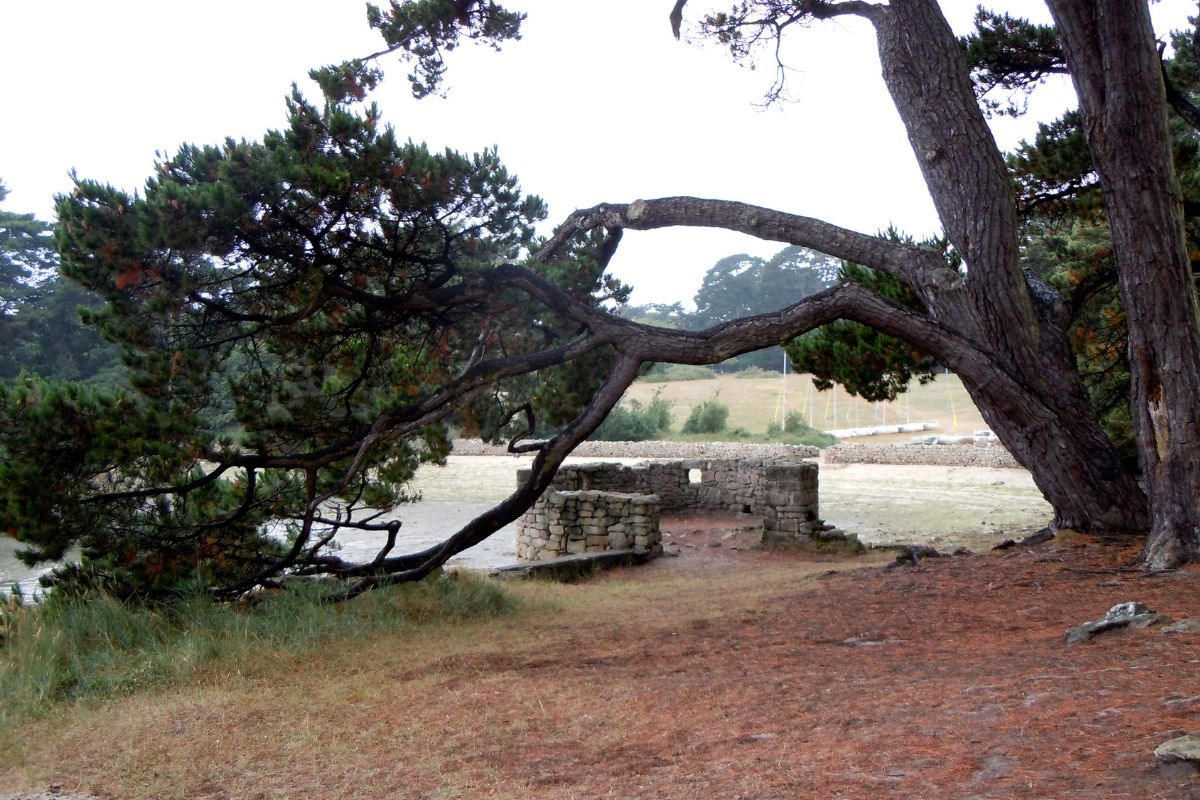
{"x": 945, "y": 679}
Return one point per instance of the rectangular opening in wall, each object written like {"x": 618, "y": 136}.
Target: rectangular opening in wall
{"x": 694, "y": 476}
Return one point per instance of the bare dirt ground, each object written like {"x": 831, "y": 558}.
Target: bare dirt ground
{"x": 721, "y": 670}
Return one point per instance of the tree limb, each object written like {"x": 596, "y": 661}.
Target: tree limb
{"x": 917, "y": 265}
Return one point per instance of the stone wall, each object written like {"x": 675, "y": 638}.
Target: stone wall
{"x": 949, "y": 455}
{"x": 573, "y": 523}
{"x": 657, "y": 449}
{"x": 783, "y": 493}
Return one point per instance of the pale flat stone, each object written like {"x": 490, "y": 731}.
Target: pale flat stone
{"x": 1182, "y": 748}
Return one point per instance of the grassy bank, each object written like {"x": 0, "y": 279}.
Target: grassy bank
{"x": 69, "y": 649}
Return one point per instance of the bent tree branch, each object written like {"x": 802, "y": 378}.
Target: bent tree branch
{"x": 370, "y": 310}
{"x": 631, "y": 344}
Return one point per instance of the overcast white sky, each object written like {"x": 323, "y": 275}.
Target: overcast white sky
{"x": 597, "y": 103}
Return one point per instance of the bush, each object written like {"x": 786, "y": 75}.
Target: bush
{"x": 754, "y": 372}
{"x": 658, "y": 412}
{"x": 796, "y": 430}
{"x": 637, "y": 422}
{"x": 663, "y": 373}
{"x": 709, "y": 416}
{"x": 624, "y": 425}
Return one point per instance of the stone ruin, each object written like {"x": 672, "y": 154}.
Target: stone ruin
{"x": 591, "y": 508}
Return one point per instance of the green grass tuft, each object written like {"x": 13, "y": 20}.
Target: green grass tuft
{"x": 93, "y": 647}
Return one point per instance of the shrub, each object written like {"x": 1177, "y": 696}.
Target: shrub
{"x": 709, "y": 416}
{"x": 796, "y": 430}
{"x": 636, "y": 422}
{"x": 624, "y": 425}
{"x": 658, "y": 412}
{"x": 754, "y": 372}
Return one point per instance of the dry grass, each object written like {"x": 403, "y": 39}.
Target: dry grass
{"x": 756, "y": 402}
{"x": 410, "y": 715}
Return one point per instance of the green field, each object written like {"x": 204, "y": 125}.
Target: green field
{"x": 754, "y": 403}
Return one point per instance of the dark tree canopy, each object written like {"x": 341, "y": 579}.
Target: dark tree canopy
{"x": 741, "y": 286}
{"x": 323, "y": 280}
{"x": 39, "y": 313}
{"x": 863, "y": 361}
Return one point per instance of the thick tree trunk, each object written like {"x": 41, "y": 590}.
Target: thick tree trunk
{"x": 1114, "y": 63}
{"x": 1045, "y": 418}
{"x": 1042, "y": 412}
{"x": 1070, "y": 459}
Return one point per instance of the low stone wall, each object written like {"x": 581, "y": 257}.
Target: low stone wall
{"x": 948, "y": 455}
{"x": 571, "y": 523}
{"x": 783, "y": 493}
{"x": 655, "y": 449}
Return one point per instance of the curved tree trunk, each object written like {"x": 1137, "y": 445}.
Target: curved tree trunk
{"x": 1046, "y": 420}
{"x": 1115, "y": 66}
{"x": 1071, "y": 461}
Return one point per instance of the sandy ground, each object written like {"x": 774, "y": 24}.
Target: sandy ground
{"x": 945, "y": 507}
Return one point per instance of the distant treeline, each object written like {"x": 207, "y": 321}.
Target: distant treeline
{"x": 742, "y": 285}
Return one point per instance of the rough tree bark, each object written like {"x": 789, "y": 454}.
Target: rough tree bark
{"x": 1115, "y": 66}
{"x": 1048, "y": 423}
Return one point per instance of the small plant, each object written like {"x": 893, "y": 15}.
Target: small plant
{"x": 10, "y": 606}
{"x": 658, "y": 412}
{"x": 709, "y": 416}
{"x": 624, "y": 425}
{"x": 753, "y": 372}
